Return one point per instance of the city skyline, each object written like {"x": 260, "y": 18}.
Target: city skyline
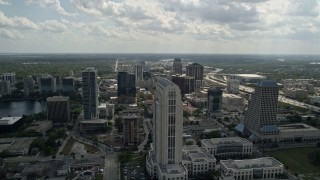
{"x": 182, "y": 26}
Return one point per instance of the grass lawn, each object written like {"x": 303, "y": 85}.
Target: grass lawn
{"x": 296, "y": 108}
{"x": 297, "y": 159}
{"x": 91, "y": 149}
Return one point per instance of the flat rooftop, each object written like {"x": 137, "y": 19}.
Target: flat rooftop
{"x": 227, "y": 140}
{"x": 130, "y": 116}
{"x": 250, "y": 76}
{"x": 173, "y": 169}
{"x": 251, "y": 163}
{"x": 231, "y": 95}
{"x": 5, "y": 121}
{"x": 296, "y": 127}
{"x": 102, "y": 105}
{"x": 94, "y": 121}
{"x": 57, "y": 98}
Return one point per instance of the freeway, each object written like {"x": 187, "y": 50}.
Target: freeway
{"x": 246, "y": 89}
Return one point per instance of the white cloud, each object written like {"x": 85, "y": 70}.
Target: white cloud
{"x": 172, "y": 24}
{"x": 55, "y": 4}
{"x": 17, "y": 22}
{"x": 10, "y": 34}
{"x": 53, "y": 26}
{"x": 4, "y": 2}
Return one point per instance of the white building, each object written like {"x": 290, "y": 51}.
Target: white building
{"x": 138, "y": 71}
{"x": 223, "y": 148}
{"x": 314, "y": 99}
{"x": 5, "y": 87}
{"x": 102, "y": 110}
{"x": 304, "y": 84}
{"x": 260, "y": 168}
{"x": 28, "y": 86}
{"x": 249, "y": 78}
{"x": 9, "y": 77}
{"x": 197, "y": 161}
{"x": 233, "y": 102}
{"x": 233, "y": 85}
{"x": 90, "y": 93}
{"x": 298, "y": 132}
{"x": 165, "y": 157}
{"x": 296, "y": 93}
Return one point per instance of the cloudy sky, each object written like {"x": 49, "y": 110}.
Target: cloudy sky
{"x": 160, "y": 26}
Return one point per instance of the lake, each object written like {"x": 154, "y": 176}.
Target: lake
{"x": 19, "y": 108}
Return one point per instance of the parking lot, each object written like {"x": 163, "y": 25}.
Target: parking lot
{"x": 134, "y": 171}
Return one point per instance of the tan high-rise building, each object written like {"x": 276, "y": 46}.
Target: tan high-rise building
{"x": 165, "y": 158}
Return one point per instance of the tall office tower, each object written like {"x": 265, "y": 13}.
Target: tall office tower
{"x": 9, "y": 77}
{"x": 28, "y": 86}
{"x": 68, "y": 84}
{"x": 165, "y": 157}
{"x": 126, "y": 88}
{"x": 214, "y": 100}
{"x": 5, "y": 87}
{"x": 185, "y": 83}
{"x": 58, "y": 110}
{"x": 48, "y": 84}
{"x": 261, "y": 116}
{"x": 233, "y": 85}
{"x": 177, "y": 66}
{"x": 138, "y": 71}
{"x": 90, "y": 93}
{"x": 131, "y": 123}
{"x": 195, "y": 70}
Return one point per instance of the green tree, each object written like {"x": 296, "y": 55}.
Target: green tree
{"x": 124, "y": 157}
{"x": 118, "y": 124}
{"x": 186, "y": 114}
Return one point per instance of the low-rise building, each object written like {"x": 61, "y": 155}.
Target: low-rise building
{"x": 197, "y": 161}
{"x": 249, "y": 78}
{"x": 314, "y": 99}
{"x": 102, "y": 110}
{"x": 167, "y": 172}
{"x": 223, "y": 148}
{"x": 296, "y": 93}
{"x": 10, "y": 124}
{"x": 260, "y": 168}
{"x": 93, "y": 126}
{"x": 233, "y": 102}
{"x": 298, "y": 132}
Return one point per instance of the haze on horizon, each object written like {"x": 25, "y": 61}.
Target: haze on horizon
{"x": 155, "y": 26}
